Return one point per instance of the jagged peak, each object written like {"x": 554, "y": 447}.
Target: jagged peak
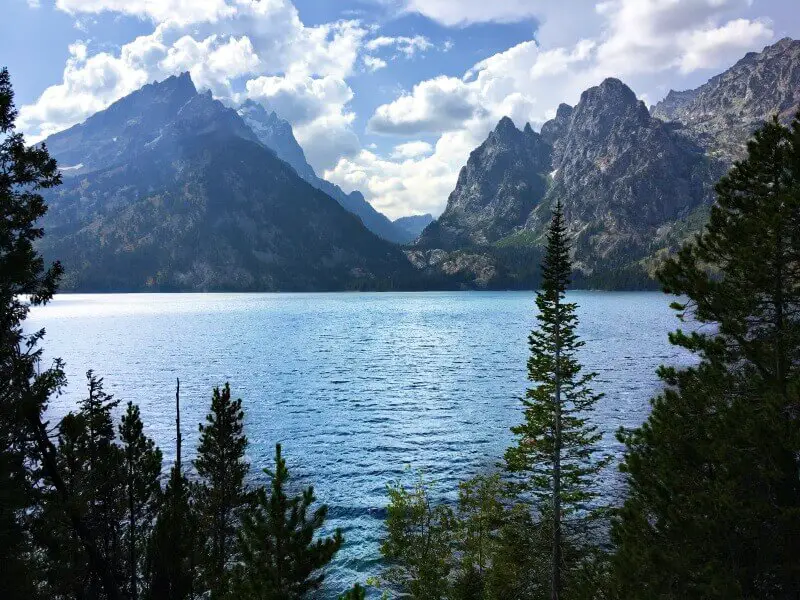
{"x": 505, "y": 124}
{"x": 611, "y": 92}
{"x": 528, "y": 129}
{"x": 563, "y": 111}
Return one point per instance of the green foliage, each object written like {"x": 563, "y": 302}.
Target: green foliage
{"x": 418, "y": 544}
{"x": 556, "y": 453}
{"x": 280, "y": 557}
{"x": 356, "y": 593}
{"x": 24, "y": 281}
{"x": 172, "y": 554}
{"x": 221, "y": 466}
{"x": 142, "y": 487}
{"x": 714, "y": 504}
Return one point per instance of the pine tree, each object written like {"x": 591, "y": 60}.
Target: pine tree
{"x": 280, "y": 557}
{"x": 419, "y": 543}
{"x": 222, "y": 468}
{"x": 24, "y": 281}
{"x": 28, "y": 457}
{"x": 355, "y": 593}
{"x": 142, "y": 469}
{"x": 714, "y": 504}
{"x": 171, "y": 556}
{"x": 556, "y": 448}
{"x": 90, "y": 463}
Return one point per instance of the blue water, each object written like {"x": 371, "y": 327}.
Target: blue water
{"x": 355, "y": 386}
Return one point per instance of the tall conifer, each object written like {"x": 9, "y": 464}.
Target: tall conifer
{"x": 221, "y": 466}
{"x": 556, "y": 445}
{"x": 142, "y": 473}
{"x": 714, "y": 504}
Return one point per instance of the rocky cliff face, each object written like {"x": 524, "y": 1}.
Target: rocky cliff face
{"x": 193, "y": 201}
{"x": 504, "y": 179}
{"x": 621, "y": 176}
{"x": 625, "y": 180}
{"x": 721, "y": 114}
{"x": 277, "y": 134}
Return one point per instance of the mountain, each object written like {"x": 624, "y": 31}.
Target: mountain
{"x": 277, "y": 134}
{"x": 721, "y": 114}
{"x": 627, "y": 180}
{"x": 414, "y": 224}
{"x": 175, "y": 192}
{"x": 624, "y": 178}
{"x": 504, "y": 178}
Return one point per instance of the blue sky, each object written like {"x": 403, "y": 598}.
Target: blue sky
{"x": 386, "y": 96}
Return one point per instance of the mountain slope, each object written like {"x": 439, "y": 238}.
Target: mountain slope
{"x": 503, "y": 180}
{"x": 721, "y": 114}
{"x": 414, "y": 224}
{"x": 276, "y": 133}
{"x": 202, "y": 206}
{"x": 623, "y": 176}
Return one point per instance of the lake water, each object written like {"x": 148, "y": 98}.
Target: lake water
{"x": 356, "y": 387}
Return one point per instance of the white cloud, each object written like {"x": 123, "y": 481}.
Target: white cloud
{"x": 373, "y": 63}
{"x": 711, "y": 47}
{"x": 466, "y": 12}
{"x": 412, "y": 150}
{"x": 408, "y": 186}
{"x": 408, "y": 46}
{"x": 300, "y": 70}
{"x": 179, "y": 12}
{"x": 435, "y": 105}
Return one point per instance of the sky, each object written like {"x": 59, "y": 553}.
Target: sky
{"x": 388, "y": 97}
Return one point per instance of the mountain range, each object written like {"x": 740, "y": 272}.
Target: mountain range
{"x": 169, "y": 189}
{"x": 634, "y": 183}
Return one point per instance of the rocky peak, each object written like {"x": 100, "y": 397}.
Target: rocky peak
{"x": 504, "y": 178}
{"x": 276, "y": 133}
{"x": 554, "y": 129}
{"x": 721, "y": 114}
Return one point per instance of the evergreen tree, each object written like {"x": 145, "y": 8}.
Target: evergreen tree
{"x": 419, "y": 543}
{"x": 481, "y": 513}
{"x": 142, "y": 470}
{"x": 90, "y": 464}
{"x": 24, "y": 281}
{"x": 222, "y": 468}
{"x": 556, "y": 449}
{"x": 171, "y": 556}
{"x": 714, "y": 503}
{"x": 280, "y": 559}
{"x": 356, "y": 593}
{"x": 28, "y": 457}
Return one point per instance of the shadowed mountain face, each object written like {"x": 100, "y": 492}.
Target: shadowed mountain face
{"x": 185, "y": 197}
{"x": 414, "y": 224}
{"x": 721, "y": 114}
{"x": 276, "y": 133}
{"x": 504, "y": 179}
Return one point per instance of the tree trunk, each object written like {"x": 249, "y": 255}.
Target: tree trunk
{"x": 555, "y": 584}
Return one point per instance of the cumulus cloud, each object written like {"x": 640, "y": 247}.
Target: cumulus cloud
{"x": 299, "y": 70}
{"x": 407, "y": 46}
{"x": 467, "y": 12}
{"x": 412, "y": 150}
{"x": 373, "y": 63}
{"x": 180, "y": 12}
{"x": 435, "y": 105}
{"x": 408, "y": 186}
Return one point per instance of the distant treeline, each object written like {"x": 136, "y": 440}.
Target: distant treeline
{"x": 712, "y": 504}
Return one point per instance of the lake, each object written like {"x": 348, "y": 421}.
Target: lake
{"x": 356, "y": 387}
